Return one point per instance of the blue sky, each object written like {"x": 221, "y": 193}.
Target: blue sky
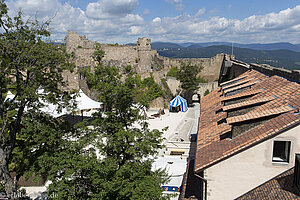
{"x": 123, "y": 21}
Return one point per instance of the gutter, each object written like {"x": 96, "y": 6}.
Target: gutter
{"x": 205, "y": 185}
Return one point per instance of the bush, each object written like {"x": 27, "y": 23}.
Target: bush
{"x": 206, "y": 92}
{"x": 173, "y": 72}
{"x": 202, "y": 80}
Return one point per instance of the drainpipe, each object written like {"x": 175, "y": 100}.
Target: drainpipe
{"x": 205, "y": 185}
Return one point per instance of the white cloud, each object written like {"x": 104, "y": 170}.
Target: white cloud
{"x": 271, "y": 27}
{"x": 156, "y": 20}
{"x": 173, "y": 1}
{"x": 135, "y": 30}
{"x": 213, "y": 11}
{"x": 104, "y": 21}
{"x": 40, "y": 8}
{"x": 116, "y": 21}
{"x": 146, "y": 11}
{"x": 200, "y": 12}
{"x": 110, "y": 8}
{"x": 132, "y": 18}
{"x": 179, "y": 7}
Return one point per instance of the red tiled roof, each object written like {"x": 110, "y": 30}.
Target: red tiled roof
{"x": 242, "y": 94}
{"x": 251, "y": 78}
{"x": 242, "y": 86}
{"x": 256, "y": 115}
{"x": 248, "y": 103}
{"x": 235, "y": 84}
{"x": 281, "y": 111}
{"x": 235, "y": 79}
{"x": 279, "y": 187}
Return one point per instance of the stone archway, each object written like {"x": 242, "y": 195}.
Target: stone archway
{"x": 196, "y": 98}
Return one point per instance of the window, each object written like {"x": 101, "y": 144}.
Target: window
{"x": 281, "y": 151}
{"x": 177, "y": 152}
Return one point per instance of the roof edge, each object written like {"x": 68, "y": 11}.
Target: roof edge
{"x": 276, "y": 176}
{"x": 197, "y": 170}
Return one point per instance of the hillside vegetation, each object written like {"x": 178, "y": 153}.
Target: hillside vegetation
{"x": 277, "y": 58}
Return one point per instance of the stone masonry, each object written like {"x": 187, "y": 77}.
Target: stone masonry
{"x": 141, "y": 57}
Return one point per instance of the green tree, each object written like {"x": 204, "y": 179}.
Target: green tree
{"x": 189, "y": 79}
{"x": 147, "y": 90}
{"x": 27, "y": 64}
{"x": 173, "y": 72}
{"x": 125, "y": 146}
{"x": 206, "y": 92}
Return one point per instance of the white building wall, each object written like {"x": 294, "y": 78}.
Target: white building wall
{"x": 237, "y": 175}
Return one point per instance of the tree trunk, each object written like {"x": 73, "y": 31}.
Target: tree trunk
{"x": 6, "y": 179}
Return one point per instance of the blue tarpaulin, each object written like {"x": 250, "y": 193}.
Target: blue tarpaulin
{"x": 179, "y": 101}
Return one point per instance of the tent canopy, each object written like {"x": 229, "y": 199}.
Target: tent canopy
{"x": 179, "y": 101}
{"x": 84, "y": 102}
{"x": 9, "y": 96}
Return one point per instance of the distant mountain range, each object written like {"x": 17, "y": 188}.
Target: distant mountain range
{"x": 256, "y": 46}
{"x": 285, "y": 55}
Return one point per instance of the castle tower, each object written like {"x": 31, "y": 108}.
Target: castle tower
{"x": 144, "y": 55}
{"x": 75, "y": 41}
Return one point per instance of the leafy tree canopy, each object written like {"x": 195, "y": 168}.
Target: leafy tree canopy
{"x": 147, "y": 90}
{"x": 189, "y": 79}
{"x": 27, "y": 65}
{"x": 206, "y": 92}
{"x": 173, "y": 72}
{"x": 112, "y": 157}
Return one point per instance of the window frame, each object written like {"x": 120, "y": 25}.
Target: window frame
{"x": 287, "y": 152}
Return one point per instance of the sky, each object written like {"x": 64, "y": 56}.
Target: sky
{"x": 123, "y": 21}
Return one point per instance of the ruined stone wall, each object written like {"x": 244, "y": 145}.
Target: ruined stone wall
{"x": 71, "y": 79}
{"x": 74, "y": 41}
{"x": 211, "y": 86}
{"x": 211, "y": 66}
{"x": 145, "y": 57}
{"x": 173, "y": 84}
{"x": 124, "y": 54}
{"x": 141, "y": 57}
{"x": 83, "y": 57}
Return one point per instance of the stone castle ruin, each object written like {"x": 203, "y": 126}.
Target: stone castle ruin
{"x": 141, "y": 57}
